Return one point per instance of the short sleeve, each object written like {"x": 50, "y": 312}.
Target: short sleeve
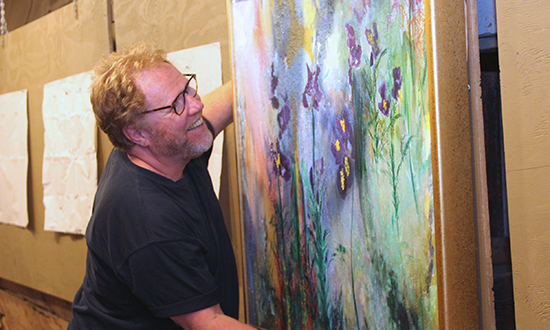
{"x": 171, "y": 277}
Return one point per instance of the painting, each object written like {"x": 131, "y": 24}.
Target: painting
{"x": 332, "y": 116}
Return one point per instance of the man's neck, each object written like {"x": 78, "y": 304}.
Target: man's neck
{"x": 168, "y": 167}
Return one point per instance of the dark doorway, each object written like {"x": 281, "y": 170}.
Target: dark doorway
{"x": 496, "y": 185}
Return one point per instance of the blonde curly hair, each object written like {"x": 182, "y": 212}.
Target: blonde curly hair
{"x": 116, "y": 100}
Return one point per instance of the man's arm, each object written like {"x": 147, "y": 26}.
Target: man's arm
{"x": 211, "y": 318}
{"x": 218, "y": 107}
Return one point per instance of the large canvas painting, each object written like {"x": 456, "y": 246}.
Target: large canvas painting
{"x": 335, "y": 163}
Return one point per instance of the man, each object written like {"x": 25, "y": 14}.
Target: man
{"x": 159, "y": 255}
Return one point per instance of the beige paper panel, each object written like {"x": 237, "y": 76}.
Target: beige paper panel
{"x": 174, "y": 25}
{"x": 53, "y": 47}
{"x": 69, "y": 175}
{"x": 13, "y": 158}
{"x": 524, "y": 56}
{"x": 529, "y": 214}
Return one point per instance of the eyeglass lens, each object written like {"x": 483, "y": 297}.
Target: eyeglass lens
{"x": 191, "y": 89}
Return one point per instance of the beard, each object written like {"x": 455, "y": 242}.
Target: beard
{"x": 174, "y": 144}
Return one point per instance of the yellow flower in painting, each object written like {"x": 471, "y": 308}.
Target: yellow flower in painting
{"x": 344, "y": 177}
{"x": 342, "y": 180}
{"x": 372, "y": 38}
{"x": 341, "y": 150}
{"x": 281, "y": 163}
{"x": 384, "y": 104}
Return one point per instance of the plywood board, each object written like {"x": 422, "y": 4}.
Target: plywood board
{"x": 55, "y": 46}
{"x": 173, "y": 25}
{"x": 529, "y": 211}
{"x": 524, "y": 59}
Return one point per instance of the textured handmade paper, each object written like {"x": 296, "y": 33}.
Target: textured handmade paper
{"x": 205, "y": 61}
{"x": 13, "y": 158}
{"x": 69, "y": 172}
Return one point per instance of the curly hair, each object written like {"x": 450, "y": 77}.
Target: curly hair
{"x": 116, "y": 100}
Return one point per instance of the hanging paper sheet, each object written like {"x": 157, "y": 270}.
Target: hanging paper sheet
{"x": 70, "y": 163}
{"x": 13, "y": 158}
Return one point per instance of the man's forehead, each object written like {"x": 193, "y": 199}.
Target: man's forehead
{"x": 165, "y": 73}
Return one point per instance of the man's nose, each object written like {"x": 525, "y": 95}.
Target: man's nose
{"x": 195, "y": 103}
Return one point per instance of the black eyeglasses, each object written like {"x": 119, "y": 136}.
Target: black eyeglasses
{"x": 178, "y": 105}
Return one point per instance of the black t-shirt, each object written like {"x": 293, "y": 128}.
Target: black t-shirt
{"x": 156, "y": 248}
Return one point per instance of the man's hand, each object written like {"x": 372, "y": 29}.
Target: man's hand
{"x": 211, "y": 318}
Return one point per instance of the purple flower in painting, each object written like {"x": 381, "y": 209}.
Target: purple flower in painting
{"x": 384, "y": 105}
{"x": 283, "y": 117}
{"x": 318, "y": 168}
{"x": 355, "y": 51}
{"x": 338, "y": 149}
{"x": 397, "y": 82}
{"x": 344, "y": 177}
{"x": 342, "y": 136}
{"x": 372, "y": 38}
{"x": 361, "y": 11}
{"x": 275, "y": 102}
{"x": 281, "y": 164}
{"x": 312, "y": 89}
{"x": 341, "y": 152}
{"x": 274, "y": 79}
{"x": 274, "y": 83}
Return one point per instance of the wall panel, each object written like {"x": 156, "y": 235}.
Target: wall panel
{"x": 524, "y": 56}
{"x": 53, "y": 47}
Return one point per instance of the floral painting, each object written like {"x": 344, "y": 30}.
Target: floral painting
{"x": 335, "y": 163}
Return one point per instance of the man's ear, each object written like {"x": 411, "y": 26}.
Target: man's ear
{"x": 136, "y": 135}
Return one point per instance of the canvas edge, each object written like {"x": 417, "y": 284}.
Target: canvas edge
{"x": 238, "y": 146}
